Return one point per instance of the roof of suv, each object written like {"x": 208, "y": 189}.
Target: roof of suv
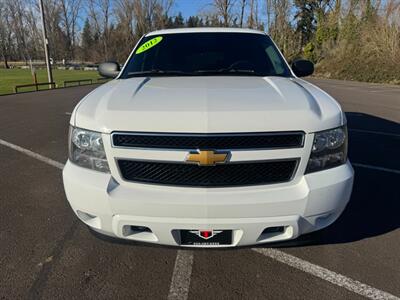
{"x": 205, "y": 29}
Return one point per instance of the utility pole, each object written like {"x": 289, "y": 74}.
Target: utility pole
{"x": 46, "y": 46}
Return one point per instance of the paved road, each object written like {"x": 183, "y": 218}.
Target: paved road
{"x": 46, "y": 253}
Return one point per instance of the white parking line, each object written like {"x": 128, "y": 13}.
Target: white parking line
{"x": 375, "y": 132}
{"x": 180, "y": 282}
{"x": 376, "y": 168}
{"x": 33, "y": 154}
{"x": 325, "y": 274}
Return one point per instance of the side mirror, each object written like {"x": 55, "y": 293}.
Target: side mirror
{"x": 302, "y": 67}
{"x": 109, "y": 69}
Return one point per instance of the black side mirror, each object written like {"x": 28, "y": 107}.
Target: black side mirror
{"x": 302, "y": 67}
{"x": 109, "y": 69}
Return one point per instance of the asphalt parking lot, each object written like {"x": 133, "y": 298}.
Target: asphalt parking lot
{"x": 46, "y": 253}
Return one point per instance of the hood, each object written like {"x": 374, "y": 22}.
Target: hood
{"x": 207, "y": 104}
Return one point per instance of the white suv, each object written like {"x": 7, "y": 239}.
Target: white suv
{"x": 207, "y": 138}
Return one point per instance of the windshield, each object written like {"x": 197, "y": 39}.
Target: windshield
{"x": 206, "y": 54}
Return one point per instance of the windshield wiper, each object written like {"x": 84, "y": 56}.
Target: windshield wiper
{"x": 230, "y": 71}
{"x": 156, "y": 72}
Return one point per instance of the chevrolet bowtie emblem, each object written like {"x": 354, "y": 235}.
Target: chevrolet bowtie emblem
{"x": 207, "y": 157}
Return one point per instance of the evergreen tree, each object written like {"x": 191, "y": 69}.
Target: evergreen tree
{"x": 179, "y": 21}
{"x": 306, "y": 19}
{"x": 168, "y": 22}
{"x": 194, "y": 21}
{"x": 87, "y": 40}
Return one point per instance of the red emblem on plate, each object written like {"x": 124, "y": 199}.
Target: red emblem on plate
{"x": 206, "y": 234}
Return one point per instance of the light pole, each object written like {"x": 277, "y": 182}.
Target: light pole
{"x": 46, "y": 46}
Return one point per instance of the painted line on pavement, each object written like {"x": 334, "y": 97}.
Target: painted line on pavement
{"x": 375, "y": 132}
{"x": 180, "y": 283}
{"x": 33, "y": 154}
{"x": 325, "y": 274}
{"x": 376, "y": 168}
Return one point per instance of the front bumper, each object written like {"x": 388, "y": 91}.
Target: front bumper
{"x": 310, "y": 203}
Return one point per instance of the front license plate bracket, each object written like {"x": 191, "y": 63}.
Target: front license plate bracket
{"x": 196, "y": 237}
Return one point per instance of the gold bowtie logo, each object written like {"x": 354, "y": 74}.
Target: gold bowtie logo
{"x": 207, "y": 157}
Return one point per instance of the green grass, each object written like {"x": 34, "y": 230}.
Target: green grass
{"x": 9, "y": 78}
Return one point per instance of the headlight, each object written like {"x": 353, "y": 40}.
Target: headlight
{"x": 86, "y": 149}
{"x": 329, "y": 149}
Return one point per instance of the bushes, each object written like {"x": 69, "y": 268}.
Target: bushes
{"x": 363, "y": 44}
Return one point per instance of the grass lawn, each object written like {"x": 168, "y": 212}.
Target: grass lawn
{"x": 9, "y": 78}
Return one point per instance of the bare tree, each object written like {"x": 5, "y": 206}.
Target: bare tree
{"x": 100, "y": 13}
{"x": 70, "y": 10}
{"x": 5, "y": 34}
{"x": 17, "y": 17}
{"x": 251, "y": 20}
{"x": 242, "y": 9}
{"x": 343, "y": 33}
{"x": 224, "y": 9}
{"x": 124, "y": 11}
{"x": 279, "y": 26}
{"x": 34, "y": 37}
{"x": 124, "y": 32}
{"x": 269, "y": 12}
{"x": 150, "y": 14}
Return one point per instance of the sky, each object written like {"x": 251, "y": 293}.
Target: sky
{"x": 190, "y": 7}
{"x": 194, "y": 7}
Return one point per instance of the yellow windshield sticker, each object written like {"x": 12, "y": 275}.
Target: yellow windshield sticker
{"x": 149, "y": 44}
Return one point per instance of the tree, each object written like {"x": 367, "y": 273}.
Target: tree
{"x": 179, "y": 21}
{"x": 124, "y": 34}
{"x": 306, "y": 20}
{"x": 280, "y": 28}
{"x": 100, "y": 14}
{"x": 5, "y": 34}
{"x": 150, "y": 14}
{"x": 345, "y": 38}
{"x": 69, "y": 19}
{"x": 251, "y": 20}
{"x": 224, "y": 10}
{"x": 194, "y": 21}
{"x": 87, "y": 40}
{"x": 242, "y": 8}
{"x": 17, "y": 16}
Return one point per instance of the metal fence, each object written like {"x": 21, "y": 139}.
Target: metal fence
{"x": 36, "y": 85}
{"x": 67, "y": 83}
{"x": 78, "y": 82}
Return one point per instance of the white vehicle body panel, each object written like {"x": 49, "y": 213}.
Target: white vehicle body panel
{"x": 307, "y": 204}
{"x": 207, "y": 104}
{"x": 209, "y": 29}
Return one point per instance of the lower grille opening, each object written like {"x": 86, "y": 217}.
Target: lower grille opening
{"x": 139, "y": 233}
{"x": 140, "y": 229}
{"x": 89, "y": 219}
{"x": 275, "y": 229}
{"x": 224, "y": 175}
{"x": 272, "y": 233}
{"x": 133, "y": 229}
